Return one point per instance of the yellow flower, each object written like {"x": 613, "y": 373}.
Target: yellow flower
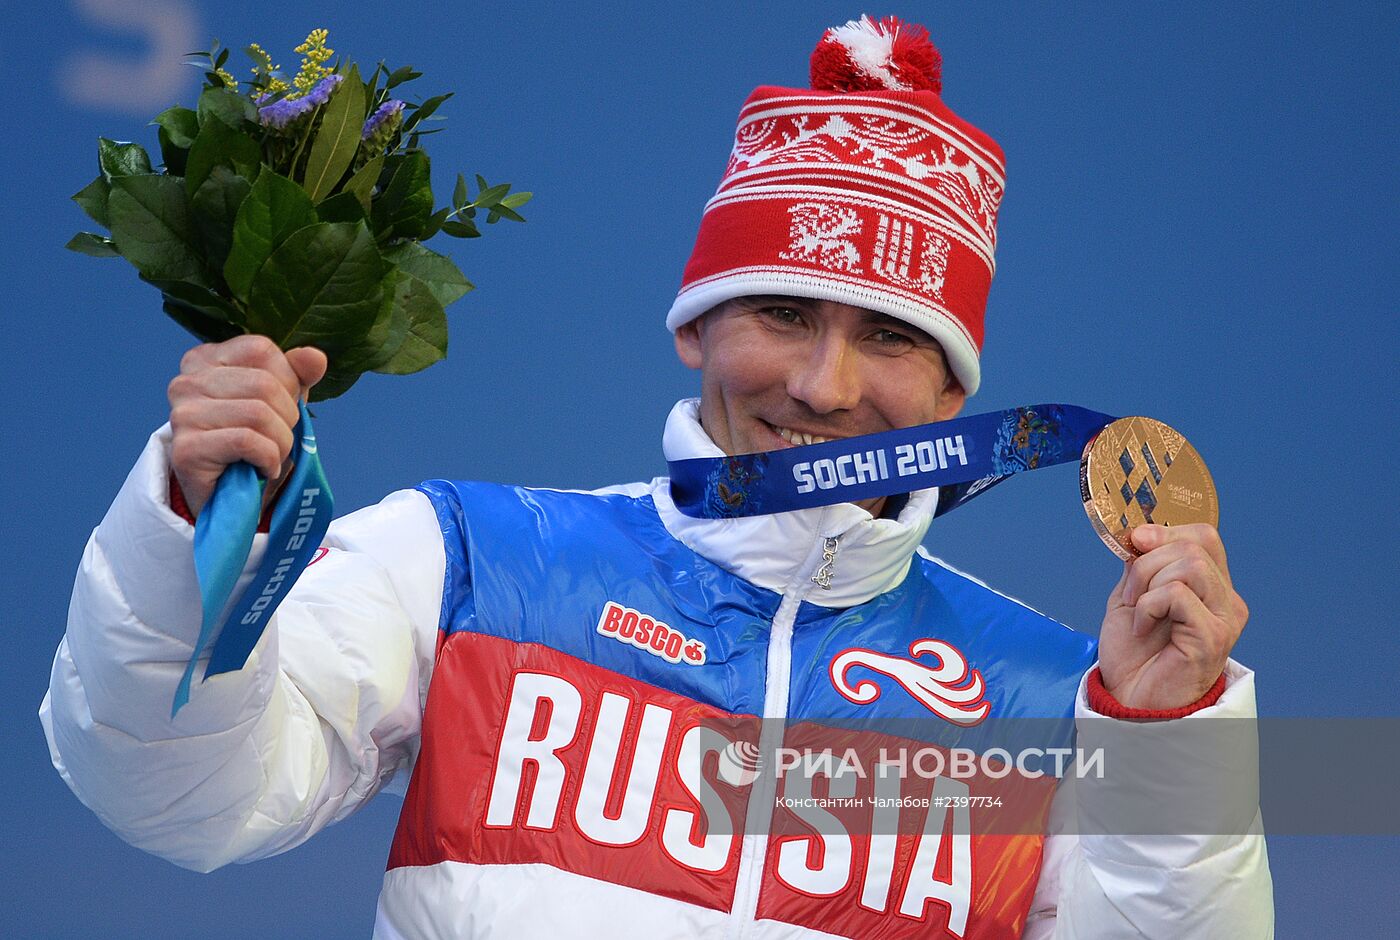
{"x": 227, "y": 78}
{"x": 263, "y": 60}
{"x": 315, "y": 55}
{"x": 264, "y": 69}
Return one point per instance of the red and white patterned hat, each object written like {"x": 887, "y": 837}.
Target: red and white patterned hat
{"x": 865, "y": 190}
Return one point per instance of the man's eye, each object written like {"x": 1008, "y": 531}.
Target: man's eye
{"x": 783, "y": 314}
{"x": 892, "y": 338}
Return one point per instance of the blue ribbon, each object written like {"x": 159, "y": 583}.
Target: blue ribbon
{"x": 963, "y": 457}
{"x": 223, "y": 537}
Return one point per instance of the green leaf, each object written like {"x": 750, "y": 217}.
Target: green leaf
{"x": 205, "y": 314}
{"x": 205, "y": 329}
{"x": 516, "y": 199}
{"x": 172, "y": 156}
{"x": 459, "y": 193}
{"x": 338, "y": 137}
{"x": 437, "y": 272}
{"x": 426, "y": 341}
{"x": 406, "y": 200}
{"x": 180, "y": 124}
{"x": 215, "y": 206}
{"x": 491, "y": 195}
{"x": 150, "y": 221}
{"x": 342, "y": 207}
{"x": 461, "y": 229}
{"x": 401, "y": 75}
{"x": 504, "y": 210}
{"x": 93, "y": 199}
{"x": 227, "y": 106}
{"x": 321, "y": 287}
{"x": 333, "y": 385}
{"x": 119, "y": 158}
{"x": 275, "y": 208}
{"x": 362, "y": 183}
{"x": 385, "y": 336}
{"x": 201, "y": 300}
{"x": 217, "y": 144}
{"x": 223, "y": 57}
{"x": 372, "y": 86}
{"x": 435, "y": 223}
{"x": 99, "y": 246}
{"x": 423, "y": 111}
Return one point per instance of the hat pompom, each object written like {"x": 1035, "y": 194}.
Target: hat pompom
{"x": 869, "y": 55}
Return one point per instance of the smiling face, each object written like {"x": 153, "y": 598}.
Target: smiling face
{"x": 782, "y": 371}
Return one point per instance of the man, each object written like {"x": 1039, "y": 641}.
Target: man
{"x": 570, "y": 676}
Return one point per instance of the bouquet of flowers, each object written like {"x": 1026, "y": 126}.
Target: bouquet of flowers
{"x": 295, "y": 209}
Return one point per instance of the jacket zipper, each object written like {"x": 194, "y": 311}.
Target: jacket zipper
{"x": 822, "y": 578}
{"x": 817, "y": 569}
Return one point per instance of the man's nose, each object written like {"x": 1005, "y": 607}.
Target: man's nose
{"x": 827, "y": 379}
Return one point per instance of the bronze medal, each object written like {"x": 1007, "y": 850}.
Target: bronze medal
{"x": 1139, "y": 470}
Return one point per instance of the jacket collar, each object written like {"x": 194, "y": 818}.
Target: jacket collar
{"x": 777, "y": 551}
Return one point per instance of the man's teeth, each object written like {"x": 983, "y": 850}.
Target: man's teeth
{"x": 798, "y": 438}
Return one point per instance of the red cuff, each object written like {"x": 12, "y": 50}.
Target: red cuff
{"x": 1103, "y": 702}
{"x": 182, "y": 508}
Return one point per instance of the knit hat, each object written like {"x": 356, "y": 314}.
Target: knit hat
{"x": 865, "y": 190}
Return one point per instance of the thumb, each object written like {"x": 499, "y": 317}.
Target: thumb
{"x": 309, "y": 363}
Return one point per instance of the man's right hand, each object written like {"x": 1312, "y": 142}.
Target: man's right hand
{"x": 236, "y": 400}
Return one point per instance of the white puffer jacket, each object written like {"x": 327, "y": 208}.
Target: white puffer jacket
{"x": 332, "y": 704}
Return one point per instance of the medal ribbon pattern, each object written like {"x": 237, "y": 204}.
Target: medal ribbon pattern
{"x": 964, "y": 457}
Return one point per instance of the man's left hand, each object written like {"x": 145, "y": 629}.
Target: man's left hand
{"x": 1172, "y": 619}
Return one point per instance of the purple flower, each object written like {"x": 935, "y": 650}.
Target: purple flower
{"x": 382, "y": 115}
{"x": 281, "y": 113}
{"x": 322, "y": 92}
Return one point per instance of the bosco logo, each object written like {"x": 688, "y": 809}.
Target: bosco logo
{"x": 649, "y": 634}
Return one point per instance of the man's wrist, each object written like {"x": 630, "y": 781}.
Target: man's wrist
{"x": 181, "y": 508}
{"x": 1103, "y": 702}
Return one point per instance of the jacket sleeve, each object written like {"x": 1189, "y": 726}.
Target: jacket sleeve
{"x": 324, "y": 714}
{"x": 1118, "y": 861}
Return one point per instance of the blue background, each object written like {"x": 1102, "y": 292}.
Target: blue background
{"x": 1199, "y": 225}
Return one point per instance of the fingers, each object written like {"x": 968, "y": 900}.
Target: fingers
{"x": 236, "y": 401}
{"x": 1117, "y": 595}
{"x": 199, "y": 462}
{"x": 1180, "y": 618}
{"x": 1163, "y": 544}
{"x": 230, "y": 430}
{"x": 1173, "y": 602}
{"x": 1187, "y": 562}
{"x": 234, "y": 383}
{"x": 1148, "y": 538}
{"x": 254, "y": 352}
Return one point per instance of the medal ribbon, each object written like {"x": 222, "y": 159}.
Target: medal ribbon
{"x": 963, "y": 457}
{"x": 223, "y": 537}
